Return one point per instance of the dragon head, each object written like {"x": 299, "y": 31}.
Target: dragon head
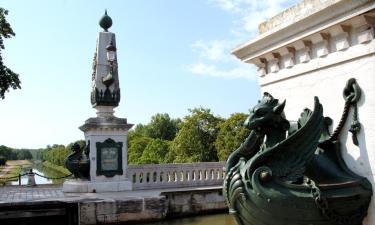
{"x": 268, "y": 113}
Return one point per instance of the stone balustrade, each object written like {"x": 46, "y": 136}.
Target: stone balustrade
{"x": 155, "y": 176}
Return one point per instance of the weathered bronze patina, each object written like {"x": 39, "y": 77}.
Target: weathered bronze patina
{"x": 77, "y": 163}
{"x": 292, "y": 173}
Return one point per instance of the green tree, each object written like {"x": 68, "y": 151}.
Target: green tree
{"x": 5, "y": 151}
{"x": 24, "y": 154}
{"x": 162, "y": 127}
{"x": 155, "y": 152}
{"x": 8, "y": 79}
{"x": 137, "y": 146}
{"x": 81, "y": 143}
{"x": 231, "y": 134}
{"x": 195, "y": 140}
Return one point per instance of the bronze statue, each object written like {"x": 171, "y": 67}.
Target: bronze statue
{"x": 292, "y": 173}
{"x": 77, "y": 163}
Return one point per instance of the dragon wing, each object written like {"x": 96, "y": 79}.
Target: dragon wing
{"x": 288, "y": 159}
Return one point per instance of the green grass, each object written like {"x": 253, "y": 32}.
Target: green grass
{"x": 12, "y": 175}
{"x": 57, "y": 168}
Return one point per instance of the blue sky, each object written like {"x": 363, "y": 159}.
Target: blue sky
{"x": 173, "y": 55}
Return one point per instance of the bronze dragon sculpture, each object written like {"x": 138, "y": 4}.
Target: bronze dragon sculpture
{"x": 292, "y": 173}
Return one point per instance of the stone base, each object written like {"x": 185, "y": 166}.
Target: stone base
{"x": 81, "y": 186}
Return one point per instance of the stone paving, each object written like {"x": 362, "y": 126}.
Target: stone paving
{"x": 13, "y": 194}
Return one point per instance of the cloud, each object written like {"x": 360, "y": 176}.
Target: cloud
{"x": 212, "y": 50}
{"x": 214, "y": 57}
{"x": 215, "y": 60}
{"x": 241, "y": 71}
{"x": 250, "y": 13}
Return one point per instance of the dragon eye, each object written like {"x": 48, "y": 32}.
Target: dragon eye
{"x": 260, "y": 112}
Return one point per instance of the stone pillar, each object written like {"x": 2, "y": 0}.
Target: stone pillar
{"x": 312, "y": 49}
{"x": 105, "y": 134}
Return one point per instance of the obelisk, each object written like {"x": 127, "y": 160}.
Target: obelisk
{"x": 105, "y": 134}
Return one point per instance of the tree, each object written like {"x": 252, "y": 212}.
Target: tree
{"x": 231, "y": 134}
{"x": 5, "y": 151}
{"x": 163, "y": 127}
{"x": 155, "y": 152}
{"x": 195, "y": 140}
{"x": 24, "y": 154}
{"x": 137, "y": 146}
{"x": 8, "y": 79}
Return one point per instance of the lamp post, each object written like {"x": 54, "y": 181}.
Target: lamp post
{"x": 111, "y": 52}
{"x": 111, "y": 57}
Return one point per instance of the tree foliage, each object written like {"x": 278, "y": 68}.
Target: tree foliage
{"x": 199, "y": 137}
{"x": 137, "y": 146}
{"x": 57, "y": 154}
{"x": 195, "y": 140}
{"x": 24, "y": 154}
{"x": 15, "y": 154}
{"x": 150, "y": 143}
{"x": 163, "y": 127}
{"x": 231, "y": 134}
{"x": 155, "y": 152}
{"x": 8, "y": 79}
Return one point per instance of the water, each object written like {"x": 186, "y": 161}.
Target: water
{"x": 218, "y": 219}
{"x": 39, "y": 169}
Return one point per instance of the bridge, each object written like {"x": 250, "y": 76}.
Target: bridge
{"x": 159, "y": 191}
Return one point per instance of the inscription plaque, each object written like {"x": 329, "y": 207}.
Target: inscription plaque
{"x": 109, "y": 155}
{"x": 109, "y": 158}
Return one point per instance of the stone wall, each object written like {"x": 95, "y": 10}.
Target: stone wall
{"x": 142, "y": 209}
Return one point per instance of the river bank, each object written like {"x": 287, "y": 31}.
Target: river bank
{"x": 12, "y": 169}
{"x": 58, "y": 169}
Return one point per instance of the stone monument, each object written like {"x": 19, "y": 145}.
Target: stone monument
{"x": 313, "y": 49}
{"x": 105, "y": 134}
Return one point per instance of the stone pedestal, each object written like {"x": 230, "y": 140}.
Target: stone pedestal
{"x": 316, "y": 47}
{"x": 107, "y": 140}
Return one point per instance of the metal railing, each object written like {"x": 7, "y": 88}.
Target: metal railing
{"x": 31, "y": 175}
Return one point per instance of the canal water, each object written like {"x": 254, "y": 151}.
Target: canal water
{"x": 40, "y": 169}
{"x": 218, "y": 219}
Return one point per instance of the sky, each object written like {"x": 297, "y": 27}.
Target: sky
{"x": 173, "y": 55}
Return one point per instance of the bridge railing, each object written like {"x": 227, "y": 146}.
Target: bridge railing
{"x": 154, "y": 176}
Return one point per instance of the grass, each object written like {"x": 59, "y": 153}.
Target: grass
{"x": 18, "y": 162}
{"x": 57, "y": 168}
{"x": 12, "y": 174}
{"x": 14, "y": 169}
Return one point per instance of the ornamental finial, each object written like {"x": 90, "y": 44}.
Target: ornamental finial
{"x": 105, "y": 22}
